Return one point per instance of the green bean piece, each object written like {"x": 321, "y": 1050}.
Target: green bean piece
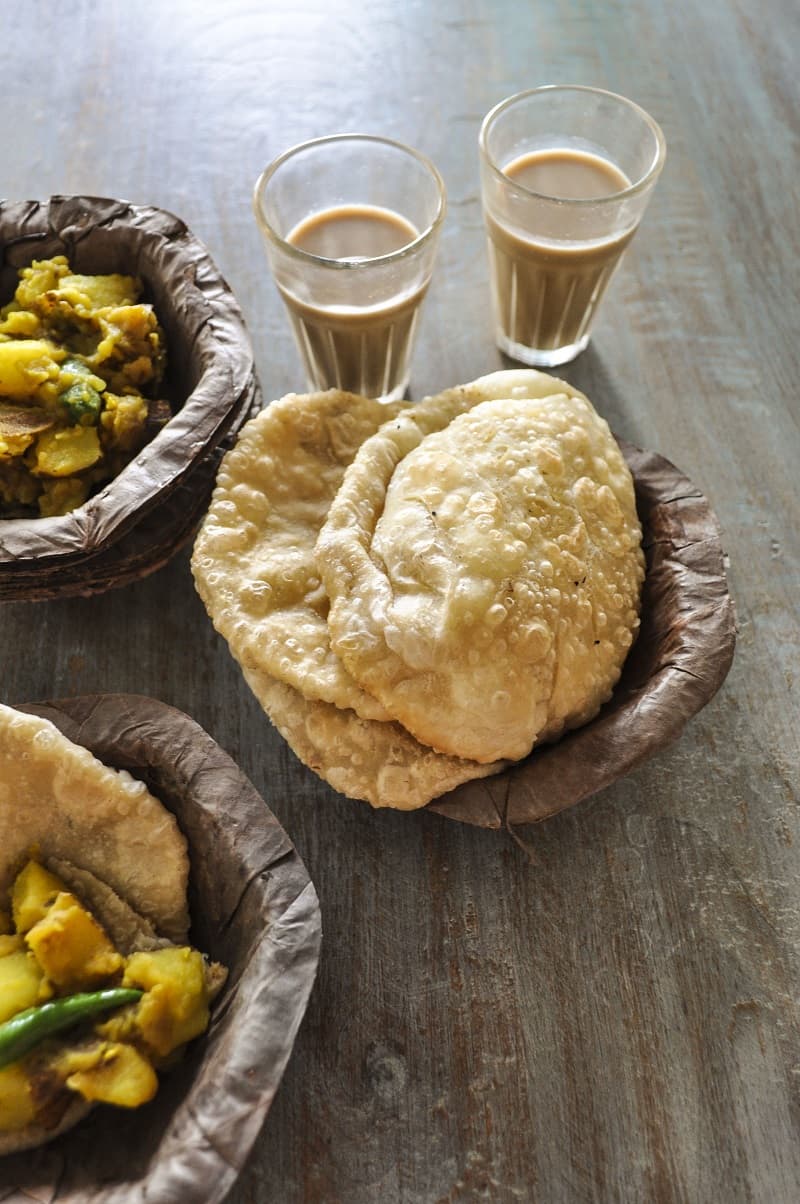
{"x": 26, "y": 1030}
{"x": 82, "y": 403}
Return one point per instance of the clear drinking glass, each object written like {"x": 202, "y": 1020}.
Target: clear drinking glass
{"x": 351, "y": 224}
{"x": 566, "y": 174}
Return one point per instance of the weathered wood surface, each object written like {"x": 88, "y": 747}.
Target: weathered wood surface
{"x": 617, "y": 1021}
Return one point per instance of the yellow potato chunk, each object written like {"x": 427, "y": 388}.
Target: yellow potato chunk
{"x": 12, "y": 446}
{"x": 16, "y": 1101}
{"x": 71, "y": 947}
{"x": 111, "y": 1073}
{"x": 62, "y": 453}
{"x": 34, "y": 892}
{"x": 25, "y": 364}
{"x": 130, "y": 353}
{"x": 123, "y": 421}
{"x": 20, "y": 979}
{"x": 120, "y": 1026}
{"x": 12, "y": 943}
{"x": 61, "y": 495}
{"x": 39, "y": 278}
{"x": 19, "y": 322}
{"x": 96, "y": 292}
{"x": 175, "y": 1006}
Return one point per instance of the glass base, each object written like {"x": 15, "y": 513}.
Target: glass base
{"x": 397, "y": 393}
{"x": 549, "y": 357}
{"x": 315, "y": 385}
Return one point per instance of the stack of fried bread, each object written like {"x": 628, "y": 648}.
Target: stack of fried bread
{"x": 419, "y": 593}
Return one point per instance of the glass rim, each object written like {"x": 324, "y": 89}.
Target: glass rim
{"x": 352, "y": 263}
{"x": 636, "y": 187}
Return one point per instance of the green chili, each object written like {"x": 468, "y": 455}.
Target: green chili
{"x": 23, "y": 1032}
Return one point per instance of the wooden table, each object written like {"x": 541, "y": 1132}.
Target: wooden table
{"x": 616, "y": 1021}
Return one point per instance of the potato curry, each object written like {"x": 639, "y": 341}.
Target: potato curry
{"x": 81, "y": 363}
{"x": 77, "y": 1018}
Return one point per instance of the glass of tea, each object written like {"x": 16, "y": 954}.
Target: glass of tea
{"x": 351, "y": 224}
{"x": 566, "y": 174}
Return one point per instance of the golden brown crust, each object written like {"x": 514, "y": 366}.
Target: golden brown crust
{"x": 362, "y": 758}
{"x": 59, "y": 800}
{"x": 253, "y": 560}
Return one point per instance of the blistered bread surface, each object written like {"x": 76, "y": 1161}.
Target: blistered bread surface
{"x": 485, "y": 577}
{"x": 378, "y": 762}
{"x": 253, "y": 560}
{"x": 59, "y": 801}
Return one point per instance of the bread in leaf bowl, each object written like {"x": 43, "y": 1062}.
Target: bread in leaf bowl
{"x": 160, "y": 783}
{"x": 436, "y": 602}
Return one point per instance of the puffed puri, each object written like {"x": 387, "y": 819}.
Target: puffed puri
{"x": 485, "y": 577}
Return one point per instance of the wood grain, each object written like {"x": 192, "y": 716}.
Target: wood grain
{"x": 616, "y": 1020}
